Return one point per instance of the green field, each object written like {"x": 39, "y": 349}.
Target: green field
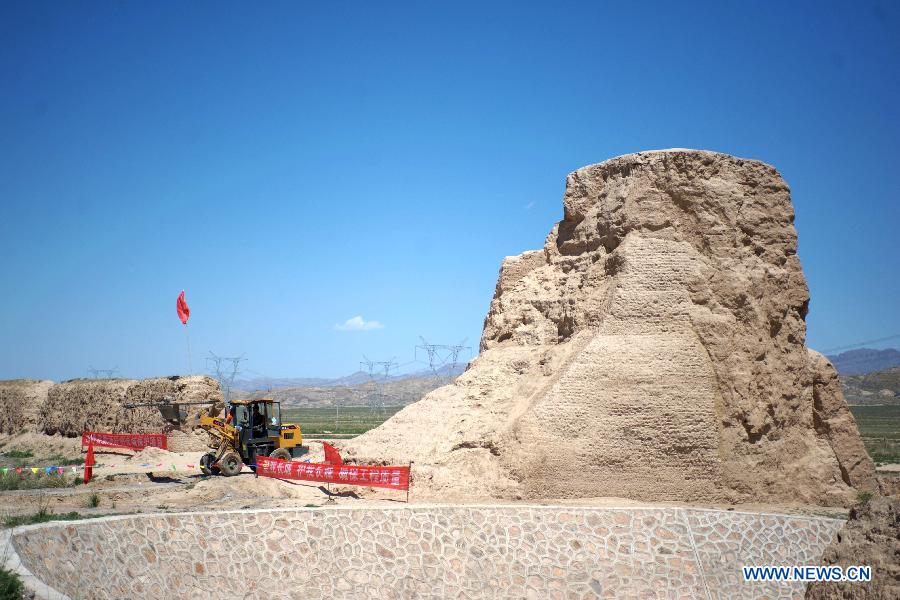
{"x": 879, "y": 427}
{"x": 349, "y": 421}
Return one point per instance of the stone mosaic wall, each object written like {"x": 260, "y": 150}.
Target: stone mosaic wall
{"x": 421, "y": 552}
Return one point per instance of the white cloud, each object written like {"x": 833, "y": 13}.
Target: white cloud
{"x": 357, "y": 323}
{"x": 529, "y": 206}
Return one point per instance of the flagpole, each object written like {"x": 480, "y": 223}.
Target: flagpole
{"x": 188, "y": 339}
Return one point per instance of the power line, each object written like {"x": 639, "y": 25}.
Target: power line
{"x": 857, "y": 344}
{"x": 443, "y": 359}
{"x": 225, "y": 374}
{"x": 379, "y": 372}
{"x": 106, "y": 373}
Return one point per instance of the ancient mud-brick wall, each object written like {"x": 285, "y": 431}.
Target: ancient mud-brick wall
{"x": 99, "y": 405}
{"x": 20, "y": 404}
{"x": 654, "y": 348}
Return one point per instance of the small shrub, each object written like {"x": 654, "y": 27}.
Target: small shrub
{"x": 863, "y": 497}
{"x": 61, "y": 461}
{"x": 18, "y": 454}
{"x": 30, "y": 481}
{"x": 93, "y": 500}
{"x": 43, "y": 515}
{"x": 11, "y": 587}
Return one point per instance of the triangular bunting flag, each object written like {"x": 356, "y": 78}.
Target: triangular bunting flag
{"x": 34, "y": 470}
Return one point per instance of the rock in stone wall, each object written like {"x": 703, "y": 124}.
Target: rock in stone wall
{"x": 20, "y": 403}
{"x": 98, "y": 405}
{"x": 653, "y": 349}
{"x": 483, "y": 552}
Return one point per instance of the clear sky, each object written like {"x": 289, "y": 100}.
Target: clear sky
{"x": 295, "y": 165}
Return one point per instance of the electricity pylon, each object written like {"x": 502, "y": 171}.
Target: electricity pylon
{"x": 224, "y": 373}
{"x": 379, "y": 371}
{"x": 107, "y": 373}
{"x": 442, "y": 357}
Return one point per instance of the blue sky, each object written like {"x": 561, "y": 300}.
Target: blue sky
{"x": 295, "y": 165}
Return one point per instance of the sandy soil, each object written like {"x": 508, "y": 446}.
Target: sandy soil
{"x": 154, "y": 480}
{"x": 145, "y": 481}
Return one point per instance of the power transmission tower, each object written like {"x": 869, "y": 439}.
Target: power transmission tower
{"x": 443, "y": 359}
{"x": 337, "y": 413}
{"x": 379, "y": 371}
{"x": 225, "y": 373}
{"x": 106, "y": 373}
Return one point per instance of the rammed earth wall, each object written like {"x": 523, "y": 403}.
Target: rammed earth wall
{"x": 653, "y": 349}
{"x": 419, "y": 552}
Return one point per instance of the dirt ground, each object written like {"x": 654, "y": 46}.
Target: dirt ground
{"x": 155, "y": 480}
{"x": 145, "y": 481}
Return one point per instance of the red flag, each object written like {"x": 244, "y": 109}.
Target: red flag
{"x": 332, "y": 456}
{"x": 183, "y": 311}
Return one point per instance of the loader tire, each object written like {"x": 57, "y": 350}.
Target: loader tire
{"x": 231, "y": 464}
{"x": 281, "y": 453}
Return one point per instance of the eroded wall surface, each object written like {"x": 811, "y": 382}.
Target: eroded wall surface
{"x": 653, "y": 349}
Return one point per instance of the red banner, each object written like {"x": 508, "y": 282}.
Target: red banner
{"x": 395, "y": 478}
{"x": 134, "y": 441}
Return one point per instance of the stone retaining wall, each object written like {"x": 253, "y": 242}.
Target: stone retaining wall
{"x": 419, "y": 552}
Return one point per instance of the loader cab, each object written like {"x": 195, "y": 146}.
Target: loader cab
{"x": 261, "y": 418}
{"x": 260, "y": 414}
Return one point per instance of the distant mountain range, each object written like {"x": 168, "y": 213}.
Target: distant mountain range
{"x": 259, "y": 384}
{"x": 868, "y": 376}
{"x": 865, "y": 360}
{"x": 274, "y": 383}
{"x": 397, "y": 392}
{"x": 852, "y": 362}
{"x": 877, "y": 387}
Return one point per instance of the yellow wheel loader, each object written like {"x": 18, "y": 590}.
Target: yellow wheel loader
{"x": 249, "y": 429}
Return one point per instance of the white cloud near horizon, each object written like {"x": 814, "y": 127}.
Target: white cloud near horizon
{"x": 357, "y": 323}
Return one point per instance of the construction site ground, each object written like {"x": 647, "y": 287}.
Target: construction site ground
{"x": 145, "y": 482}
